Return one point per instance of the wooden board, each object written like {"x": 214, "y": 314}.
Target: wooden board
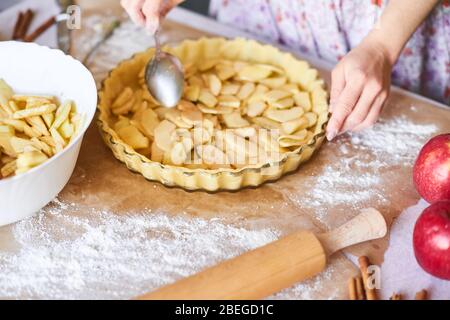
{"x": 102, "y": 183}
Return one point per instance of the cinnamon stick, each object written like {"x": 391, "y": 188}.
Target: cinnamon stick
{"x": 364, "y": 264}
{"x": 25, "y": 25}
{"x": 352, "y": 289}
{"x": 19, "y": 22}
{"x": 40, "y": 30}
{"x": 422, "y": 295}
{"x": 396, "y": 296}
{"x": 360, "y": 289}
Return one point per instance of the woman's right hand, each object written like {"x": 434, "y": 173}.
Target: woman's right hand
{"x": 147, "y": 13}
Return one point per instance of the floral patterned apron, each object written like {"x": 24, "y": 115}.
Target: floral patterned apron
{"x": 329, "y": 29}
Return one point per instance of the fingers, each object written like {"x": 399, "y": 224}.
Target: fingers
{"x": 374, "y": 112}
{"x": 337, "y": 85}
{"x": 147, "y": 13}
{"x": 134, "y": 10}
{"x": 151, "y": 10}
{"x": 363, "y": 107}
{"x": 345, "y": 105}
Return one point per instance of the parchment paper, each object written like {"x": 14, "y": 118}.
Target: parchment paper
{"x": 103, "y": 183}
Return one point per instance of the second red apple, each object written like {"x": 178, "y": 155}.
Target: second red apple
{"x": 432, "y": 170}
{"x": 432, "y": 240}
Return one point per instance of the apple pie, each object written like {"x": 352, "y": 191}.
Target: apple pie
{"x": 249, "y": 113}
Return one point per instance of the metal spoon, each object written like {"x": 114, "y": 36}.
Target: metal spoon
{"x": 165, "y": 76}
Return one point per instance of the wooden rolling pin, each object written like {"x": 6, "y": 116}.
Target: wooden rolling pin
{"x": 262, "y": 272}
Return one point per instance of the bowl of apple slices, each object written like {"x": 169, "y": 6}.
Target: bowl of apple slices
{"x": 47, "y": 102}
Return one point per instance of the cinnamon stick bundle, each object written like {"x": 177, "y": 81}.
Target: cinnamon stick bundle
{"x": 358, "y": 286}
{"x": 40, "y": 30}
{"x": 364, "y": 264}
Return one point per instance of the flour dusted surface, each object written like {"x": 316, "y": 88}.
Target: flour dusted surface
{"x": 395, "y": 141}
{"x": 363, "y": 159}
{"x": 75, "y": 253}
{"x": 104, "y": 255}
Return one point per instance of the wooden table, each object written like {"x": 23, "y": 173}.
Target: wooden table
{"x": 101, "y": 182}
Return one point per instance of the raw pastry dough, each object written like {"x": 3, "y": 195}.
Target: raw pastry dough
{"x": 232, "y": 98}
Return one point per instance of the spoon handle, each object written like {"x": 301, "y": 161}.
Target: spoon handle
{"x": 157, "y": 42}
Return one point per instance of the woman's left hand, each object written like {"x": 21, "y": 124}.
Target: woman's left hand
{"x": 360, "y": 86}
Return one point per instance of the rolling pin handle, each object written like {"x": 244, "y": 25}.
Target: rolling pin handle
{"x": 368, "y": 225}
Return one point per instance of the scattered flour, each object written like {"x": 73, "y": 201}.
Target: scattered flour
{"x": 104, "y": 255}
{"x": 395, "y": 141}
{"x": 361, "y": 156}
{"x": 65, "y": 255}
{"x": 308, "y": 289}
{"x": 330, "y": 181}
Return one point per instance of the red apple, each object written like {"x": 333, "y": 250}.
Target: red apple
{"x": 432, "y": 170}
{"x": 432, "y": 240}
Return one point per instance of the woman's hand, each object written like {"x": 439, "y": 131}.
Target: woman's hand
{"x": 147, "y": 13}
{"x": 361, "y": 81}
{"x": 360, "y": 85}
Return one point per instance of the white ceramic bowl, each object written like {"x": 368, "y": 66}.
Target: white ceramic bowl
{"x": 32, "y": 69}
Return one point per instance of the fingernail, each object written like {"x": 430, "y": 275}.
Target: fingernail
{"x": 331, "y": 135}
{"x": 152, "y": 26}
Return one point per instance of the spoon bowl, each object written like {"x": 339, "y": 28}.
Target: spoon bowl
{"x": 164, "y": 76}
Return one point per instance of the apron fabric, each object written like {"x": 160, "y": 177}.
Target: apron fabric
{"x": 329, "y": 29}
